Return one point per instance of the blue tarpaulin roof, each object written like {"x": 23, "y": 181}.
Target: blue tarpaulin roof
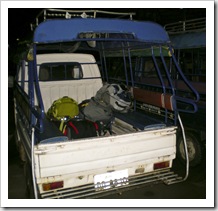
{"x": 66, "y": 30}
{"x": 189, "y": 40}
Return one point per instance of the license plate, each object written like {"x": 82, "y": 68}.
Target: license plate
{"x": 111, "y": 180}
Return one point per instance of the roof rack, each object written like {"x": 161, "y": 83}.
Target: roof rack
{"x": 192, "y": 25}
{"x": 67, "y": 14}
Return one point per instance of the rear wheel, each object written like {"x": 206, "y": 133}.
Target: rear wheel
{"x": 196, "y": 150}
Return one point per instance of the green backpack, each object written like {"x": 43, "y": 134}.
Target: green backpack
{"x": 63, "y": 107}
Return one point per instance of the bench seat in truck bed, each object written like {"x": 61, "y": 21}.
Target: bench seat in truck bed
{"x": 140, "y": 120}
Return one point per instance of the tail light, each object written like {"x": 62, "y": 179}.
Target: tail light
{"x": 52, "y": 186}
{"x": 161, "y": 165}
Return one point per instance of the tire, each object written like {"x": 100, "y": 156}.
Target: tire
{"x": 196, "y": 150}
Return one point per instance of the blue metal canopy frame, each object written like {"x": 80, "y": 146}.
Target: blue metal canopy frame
{"x": 125, "y": 35}
{"x": 52, "y": 31}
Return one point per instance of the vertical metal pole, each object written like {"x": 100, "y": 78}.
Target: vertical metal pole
{"x": 160, "y": 77}
{"x": 102, "y": 65}
{"x": 30, "y": 84}
{"x": 124, "y": 61}
{"x": 184, "y": 78}
{"x": 186, "y": 154}
{"x": 23, "y": 71}
{"x": 105, "y": 65}
{"x": 130, "y": 16}
{"x": 33, "y": 163}
{"x": 167, "y": 71}
{"x": 158, "y": 70}
{"x": 37, "y": 89}
{"x": 31, "y": 93}
{"x": 44, "y": 15}
{"x": 169, "y": 79}
{"x": 130, "y": 67}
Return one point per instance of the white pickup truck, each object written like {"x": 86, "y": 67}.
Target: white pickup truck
{"x": 140, "y": 150}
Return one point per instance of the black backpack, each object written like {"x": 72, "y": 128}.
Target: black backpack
{"x": 80, "y": 128}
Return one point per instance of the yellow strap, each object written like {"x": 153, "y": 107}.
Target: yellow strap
{"x": 64, "y": 128}
{"x": 61, "y": 125}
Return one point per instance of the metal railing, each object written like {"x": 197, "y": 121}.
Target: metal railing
{"x": 193, "y": 25}
{"x": 67, "y": 14}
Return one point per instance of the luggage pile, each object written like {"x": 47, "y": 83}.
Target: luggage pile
{"x": 92, "y": 117}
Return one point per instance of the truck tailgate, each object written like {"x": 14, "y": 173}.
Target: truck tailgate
{"x": 77, "y": 162}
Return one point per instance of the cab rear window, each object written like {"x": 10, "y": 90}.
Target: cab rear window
{"x": 60, "y": 71}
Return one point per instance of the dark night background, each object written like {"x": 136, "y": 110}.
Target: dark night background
{"x": 19, "y": 20}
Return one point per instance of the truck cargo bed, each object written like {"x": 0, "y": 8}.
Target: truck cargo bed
{"x": 124, "y": 123}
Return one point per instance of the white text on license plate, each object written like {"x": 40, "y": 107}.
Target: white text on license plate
{"x": 111, "y": 179}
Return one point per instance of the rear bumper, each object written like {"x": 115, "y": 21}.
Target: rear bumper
{"x": 89, "y": 191}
